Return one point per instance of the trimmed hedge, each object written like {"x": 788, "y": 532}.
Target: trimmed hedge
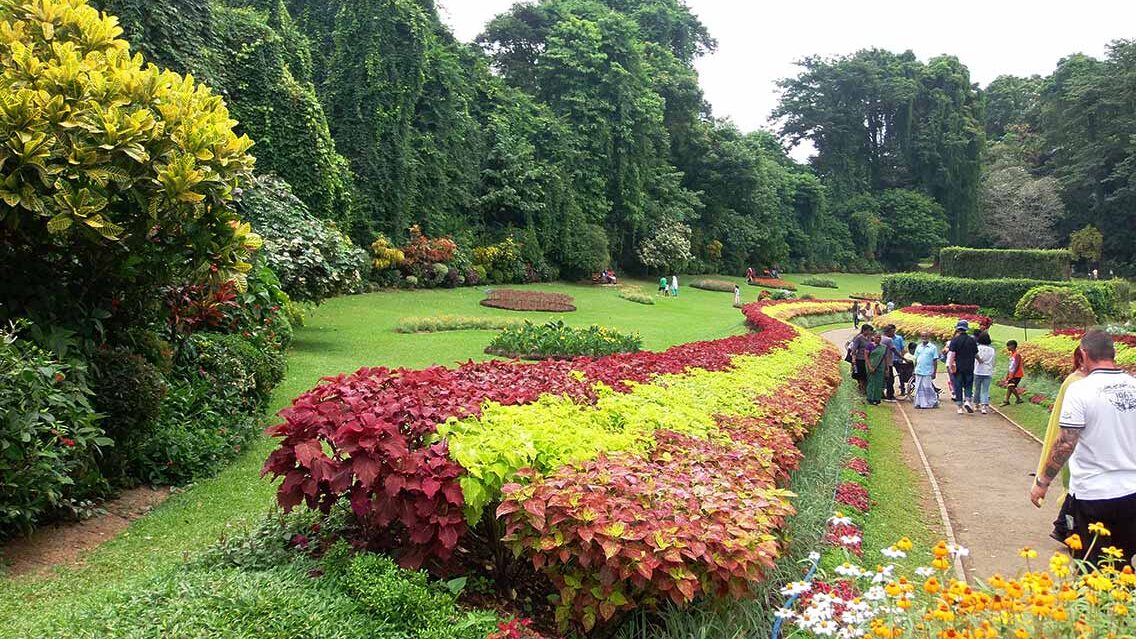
{"x": 988, "y": 264}
{"x": 1109, "y": 299}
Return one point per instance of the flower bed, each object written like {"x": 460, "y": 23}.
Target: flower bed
{"x": 1053, "y": 353}
{"x": 557, "y": 340}
{"x": 939, "y": 321}
{"x": 769, "y": 282}
{"x": 514, "y": 300}
{"x": 698, "y": 439}
{"x": 870, "y": 297}
{"x": 722, "y": 286}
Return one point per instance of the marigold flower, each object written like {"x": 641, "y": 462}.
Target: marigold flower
{"x": 1074, "y": 542}
{"x": 1113, "y": 551}
{"x": 904, "y": 544}
{"x": 1027, "y": 553}
{"x": 932, "y": 586}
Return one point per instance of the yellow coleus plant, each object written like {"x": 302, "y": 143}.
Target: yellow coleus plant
{"x": 102, "y": 149}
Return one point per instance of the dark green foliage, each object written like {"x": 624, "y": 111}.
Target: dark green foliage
{"x": 49, "y": 436}
{"x": 1062, "y": 306}
{"x": 557, "y": 340}
{"x": 128, "y": 393}
{"x": 1108, "y": 299}
{"x": 819, "y": 282}
{"x": 896, "y": 227}
{"x": 1010, "y": 101}
{"x": 234, "y": 366}
{"x": 311, "y": 257}
{"x": 987, "y": 264}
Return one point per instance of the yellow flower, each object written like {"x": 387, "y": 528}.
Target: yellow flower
{"x": 1027, "y": 553}
{"x": 1021, "y": 633}
{"x": 904, "y": 544}
{"x": 931, "y": 585}
{"x": 1113, "y": 551}
{"x": 1074, "y": 542}
{"x": 1099, "y": 529}
{"x": 1120, "y": 610}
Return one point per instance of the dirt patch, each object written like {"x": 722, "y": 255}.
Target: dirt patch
{"x": 67, "y": 544}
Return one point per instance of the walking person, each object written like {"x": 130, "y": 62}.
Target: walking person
{"x": 961, "y": 355}
{"x": 1014, "y": 374}
{"x": 674, "y": 286}
{"x": 1063, "y": 525}
{"x": 877, "y": 363}
{"x": 737, "y": 295}
{"x": 663, "y": 285}
{"x": 983, "y": 371}
{"x": 899, "y": 348}
{"x": 860, "y": 347}
{"x": 855, "y": 314}
{"x": 1098, "y": 441}
{"x": 887, "y": 341}
{"x": 926, "y": 368}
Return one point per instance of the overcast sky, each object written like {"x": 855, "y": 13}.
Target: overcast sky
{"x": 758, "y": 41}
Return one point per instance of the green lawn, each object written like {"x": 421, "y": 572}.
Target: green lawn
{"x": 341, "y": 336}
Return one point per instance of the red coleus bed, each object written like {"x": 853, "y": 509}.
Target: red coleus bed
{"x": 695, "y": 516}
{"x": 858, "y": 441}
{"x": 1078, "y": 333}
{"x": 769, "y": 282}
{"x": 363, "y": 437}
{"x": 854, "y": 495}
{"x": 859, "y": 466}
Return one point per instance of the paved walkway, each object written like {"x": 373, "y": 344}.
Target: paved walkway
{"x": 982, "y": 464}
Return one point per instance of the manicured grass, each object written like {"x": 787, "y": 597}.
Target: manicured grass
{"x": 896, "y": 490}
{"x": 341, "y": 336}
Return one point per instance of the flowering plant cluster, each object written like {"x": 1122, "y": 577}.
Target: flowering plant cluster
{"x": 556, "y": 339}
{"x": 697, "y": 439}
{"x": 1053, "y": 353}
{"x": 914, "y": 320}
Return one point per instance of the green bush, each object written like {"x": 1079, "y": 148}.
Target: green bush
{"x": 49, "y": 435}
{"x": 234, "y": 365}
{"x": 556, "y": 339}
{"x": 312, "y": 258}
{"x": 409, "y": 604}
{"x": 634, "y": 294}
{"x": 128, "y": 393}
{"x": 198, "y": 431}
{"x": 440, "y": 323}
{"x": 819, "y": 282}
{"x": 1106, "y": 298}
{"x": 1062, "y": 306}
{"x": 990, "y": 264}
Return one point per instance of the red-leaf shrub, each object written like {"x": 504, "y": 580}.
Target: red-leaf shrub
{"x": 846, "y": 536}
{"x": 859, "y": 442}
{"x": 514, "y": 300}
{"x": 1078, "y": 333}
{"x": 515, "y": 629}
{"x": 859, "y": 465}
{"x": 861, "y": 426}
{"x": 954, "y": 311}
{"x": 854, "y": 495}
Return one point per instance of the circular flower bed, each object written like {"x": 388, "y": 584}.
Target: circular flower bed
{"x": 556, "y": 340}
{"x": 714, "y": 285}
{"x": 769, "y": 282}
{"x": 514, "y": 300}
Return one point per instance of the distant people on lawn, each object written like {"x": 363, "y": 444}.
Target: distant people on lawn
{"x": 737, "y": 295}
{"x": 674, "y": 286}
{"x": 1014, "y": 374}
{"x": 1063, "y": 525}
{"x": 860, "y": 347}
{"x": 855, "y": 314}
{"x": 961, "y": 355}
{"x": 868, "y": 316}
{"x": 1098, "y": 442}
{"x": 983, "y": 371}
{"x": 750, "y": 276}
{"x": 878, "y": 360}
{"x": 663, "y": 285}
{"x": 926, "y": 368}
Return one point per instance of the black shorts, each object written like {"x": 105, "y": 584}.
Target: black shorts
{"x": 1013, "y": 382}
{"x": 859, "y": 371}
{"x": 1118, "y": 516}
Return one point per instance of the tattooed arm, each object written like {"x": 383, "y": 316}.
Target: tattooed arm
{"x": 1062, "y": 450}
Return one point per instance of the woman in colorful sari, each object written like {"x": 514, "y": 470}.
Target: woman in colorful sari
{"x": 876, "y": 361}
{"x": 1062, "y": 525}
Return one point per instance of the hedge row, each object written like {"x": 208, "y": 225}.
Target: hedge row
{"x": 987, "y": 264}
{"x": 1109, "y": 299}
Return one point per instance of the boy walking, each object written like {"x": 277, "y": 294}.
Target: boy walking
{"x": 663, "y": 286}
{"x": 1015, "y": 373}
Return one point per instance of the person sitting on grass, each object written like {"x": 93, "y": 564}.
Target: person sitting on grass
{"x": 1015, "y": 373}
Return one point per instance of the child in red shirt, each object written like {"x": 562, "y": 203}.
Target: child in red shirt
{"x": 1015, "y": 374}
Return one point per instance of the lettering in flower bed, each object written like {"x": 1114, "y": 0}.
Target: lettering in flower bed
{"x": 515, "y": 300}
{"x": 769, "y": 282}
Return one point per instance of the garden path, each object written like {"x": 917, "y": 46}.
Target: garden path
{"x": 982, "y": 466}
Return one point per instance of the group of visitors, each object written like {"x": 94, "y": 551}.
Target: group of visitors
{"x": 607, "y": 276}
{"x": 1092, "y": 432}
{"x": 771, "y": 272}
{"x": 668, "y": 289}
{"x": 867, "y": 312}
{"x": 878, "y": 359}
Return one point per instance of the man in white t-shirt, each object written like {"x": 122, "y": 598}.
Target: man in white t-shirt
{"x": 1098, "y": 440}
